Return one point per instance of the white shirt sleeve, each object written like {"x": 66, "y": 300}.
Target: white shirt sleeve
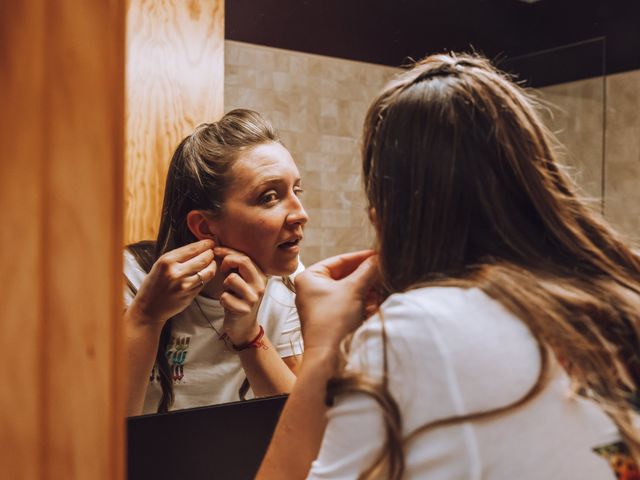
{"x": 134, "y": 273}
{"x": 279, "y": 316}
{"x": 289, "y": 342}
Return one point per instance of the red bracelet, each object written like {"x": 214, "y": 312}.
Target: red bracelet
{"x": 255, "y": 343}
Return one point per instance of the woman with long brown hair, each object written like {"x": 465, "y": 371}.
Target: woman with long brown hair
{"x": 508, "y": 342}
{"x": 211, "y": 308}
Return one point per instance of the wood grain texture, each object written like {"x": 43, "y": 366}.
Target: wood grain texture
{"x": 21, "y": 255}
{"x": 175, "y": 81}
{"x": 62, "y": 138}
{"x": 83, "y": 234}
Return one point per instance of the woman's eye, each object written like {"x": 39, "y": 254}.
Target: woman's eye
{"x": 298, "y": 191}
{"x": 268, "y": 198}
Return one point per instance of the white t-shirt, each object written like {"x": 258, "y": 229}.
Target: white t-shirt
{"x": 205, "y": 371}
{"x": 453, "y": 351}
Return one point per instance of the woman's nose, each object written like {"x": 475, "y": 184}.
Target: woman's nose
{"x": 297, "y": 215}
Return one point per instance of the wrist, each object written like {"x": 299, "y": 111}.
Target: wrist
{"x": 324, "y": 358}
{"x": 139, "y": 317}
{"x": 325, "y": 351}
{"x": 256, "y": 342}
{"x": 242, "y": 338}
{"x": 322, "y": 344}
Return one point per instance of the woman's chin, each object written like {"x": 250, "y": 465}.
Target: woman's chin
{"x": 283, "y": 269}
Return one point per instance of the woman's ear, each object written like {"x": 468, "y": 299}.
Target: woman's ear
{"x": 373, "y": 218}
{"x": 202, "y": 225}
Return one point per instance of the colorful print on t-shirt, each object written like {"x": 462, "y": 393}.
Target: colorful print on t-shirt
{"x": 176, "y": 355}
{"x": 620, "y": 459}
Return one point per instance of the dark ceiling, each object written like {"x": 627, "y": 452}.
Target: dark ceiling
{"x": 388, "y": 32}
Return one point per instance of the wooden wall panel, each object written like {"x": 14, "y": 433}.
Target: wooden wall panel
{"x": 83, "y": 233}
{"x": 175, "y": 80}
{"x": 62, "y": 150}
{"x": 21, "y": 201}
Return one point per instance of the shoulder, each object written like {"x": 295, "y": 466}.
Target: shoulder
{"x": 443, "y": 301}
{"x": 418, "y": 315}
{"x": 130, "y": 263}
{"x": 280, "y": 293}
{"x": 133, "y": 271}
{"x": 435, "y": 307}
{"x": 279, "y": 317}
{"x": 447, "y": 336}
{"x": 448, "y": 310}
{"x": 300, "y": 268}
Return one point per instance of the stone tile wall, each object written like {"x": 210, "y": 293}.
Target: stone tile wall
{"x": 318, "y": 105}
{"x": 575, "y": 113}
{"x": 622, "y": 153}
{"x": 598, "y": 122}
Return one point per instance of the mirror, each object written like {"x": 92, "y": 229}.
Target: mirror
{"x": 317, "y": 104}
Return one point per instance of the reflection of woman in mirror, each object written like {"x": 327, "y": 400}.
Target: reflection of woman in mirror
{"x": 210, "y": 301}
{"x": 508, "y": 346}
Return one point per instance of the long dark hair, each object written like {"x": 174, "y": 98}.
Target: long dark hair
{"x": 467, "y": 192}
{"x": 198, "y": 179}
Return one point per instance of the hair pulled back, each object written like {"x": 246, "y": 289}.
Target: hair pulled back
{"x": 198, "y": 179}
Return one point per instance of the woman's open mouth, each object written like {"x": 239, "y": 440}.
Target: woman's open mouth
{"x": 290, "y": 246}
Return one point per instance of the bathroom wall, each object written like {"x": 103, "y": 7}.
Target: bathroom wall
{"x": 318, "y": 105}
{"x": 622, "y": 153}
{"x": 597, "y": 121}
{"x": 575, "y": 113}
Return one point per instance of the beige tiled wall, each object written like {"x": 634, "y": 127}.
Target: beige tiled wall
{"x": 318, "y": 105}
{"x": 622, "y": 152}
{"x": 575, "y": 114}
{"x": 598, "y": 122}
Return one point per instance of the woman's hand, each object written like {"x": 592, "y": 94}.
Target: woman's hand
{"x": 174, "y": 281}
{"x": 244, "y": 286}
{"x": 334, "y": 296}
{"x": 331, "y": 297}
